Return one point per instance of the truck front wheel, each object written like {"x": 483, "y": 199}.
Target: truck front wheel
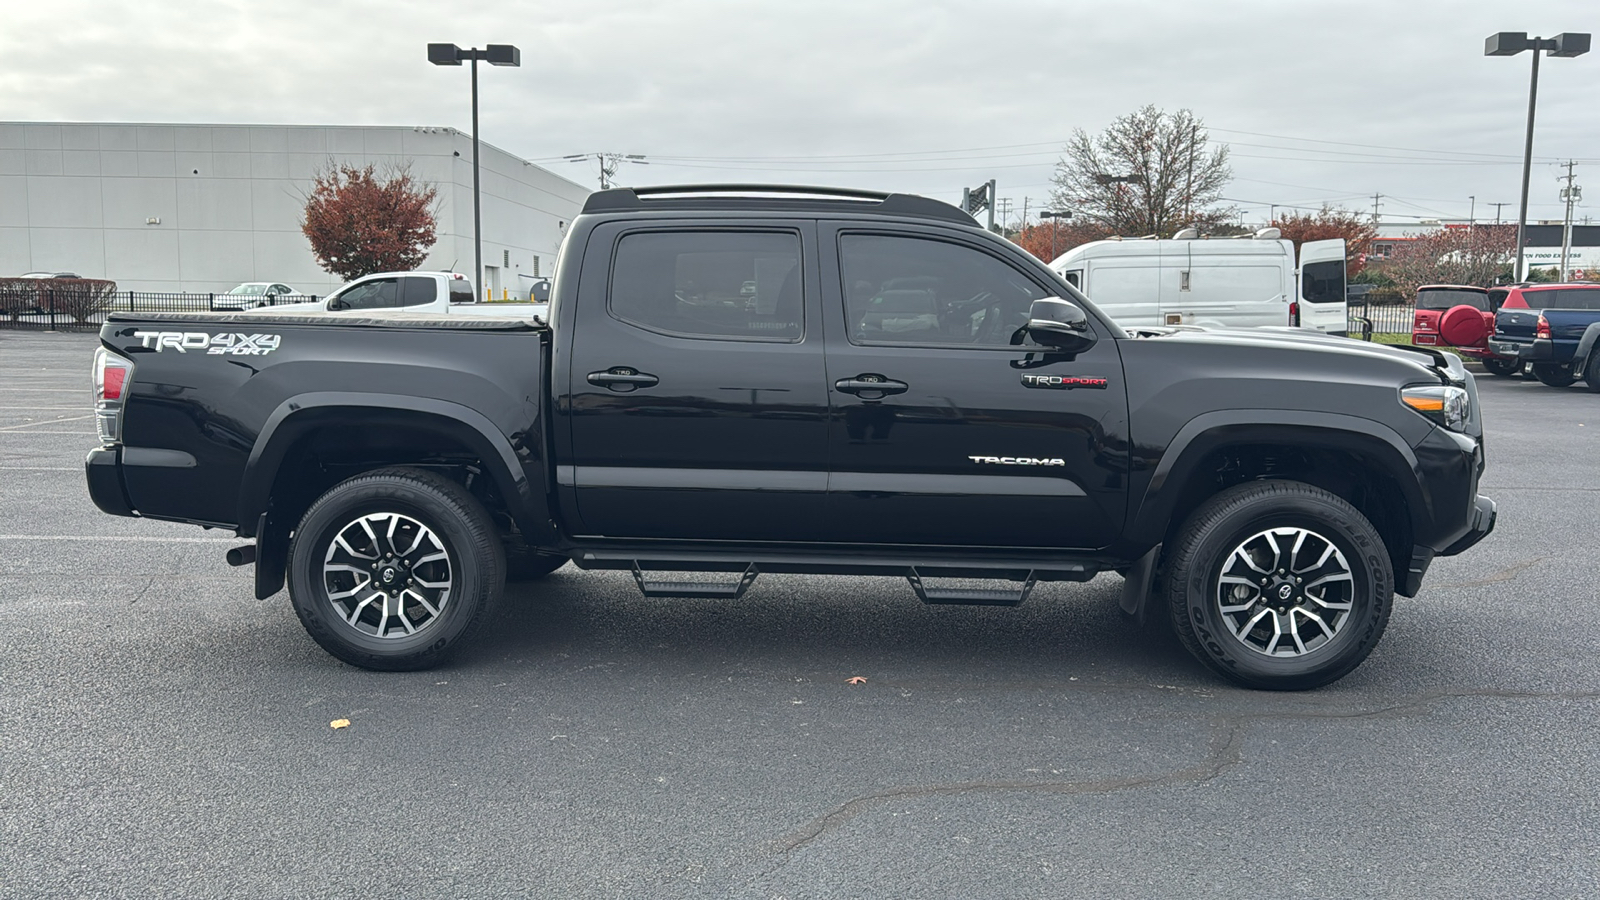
{"x": 1279, "y": 585}
{"x": 393, "y": 569}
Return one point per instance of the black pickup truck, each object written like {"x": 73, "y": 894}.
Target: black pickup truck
{"x": 745, "y": 380}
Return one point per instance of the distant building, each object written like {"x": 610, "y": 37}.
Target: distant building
{"x": 205, "y": 207}
{"x": 1542, "y": 250}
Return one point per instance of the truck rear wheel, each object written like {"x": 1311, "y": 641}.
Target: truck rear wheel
{"x": 1591, "y": 372}
{"x": 1279, "y": 585}
{"x": 393, "y": 569}
{"x": 1554, "y": 375}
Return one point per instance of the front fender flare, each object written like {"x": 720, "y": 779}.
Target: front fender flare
{"x": 1211, "y": 431}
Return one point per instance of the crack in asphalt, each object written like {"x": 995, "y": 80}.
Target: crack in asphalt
{"x": 1226, "y": 750}
{"x": 1505, "y": 574}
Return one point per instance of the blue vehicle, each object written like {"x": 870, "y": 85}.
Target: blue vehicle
{"x": 1557, "y": 335}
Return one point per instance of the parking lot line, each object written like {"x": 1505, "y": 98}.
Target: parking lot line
{"x": 118, "y": 539}
{"x": 47, "y": 422}
{"x": 41, "y": 468}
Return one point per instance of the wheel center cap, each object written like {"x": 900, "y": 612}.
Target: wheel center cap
{"x": 388, "y": 575}
{"x": 1285, "y": 590}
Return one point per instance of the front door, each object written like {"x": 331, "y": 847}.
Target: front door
{"x": 696, "y": 405}
{"x": 946, "y": 425}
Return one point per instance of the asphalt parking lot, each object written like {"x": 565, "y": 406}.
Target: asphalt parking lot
{"x": 162, "y": 733}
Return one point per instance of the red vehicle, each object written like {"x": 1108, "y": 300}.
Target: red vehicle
{"x": 1462, "y": 317}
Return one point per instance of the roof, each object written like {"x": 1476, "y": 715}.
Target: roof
{"x": 771, "y": 197}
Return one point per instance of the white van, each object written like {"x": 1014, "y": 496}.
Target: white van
{"x": 1215, "y": 282}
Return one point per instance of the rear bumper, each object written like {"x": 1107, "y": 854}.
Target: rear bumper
{"x": 1510, "y": 349}
{"x": 103, "y": 469}
{"x": 1542, "y": 349}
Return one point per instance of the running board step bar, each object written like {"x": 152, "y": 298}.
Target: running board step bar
{"x": 699, "y": 590}
{"x": 970, "y": 596}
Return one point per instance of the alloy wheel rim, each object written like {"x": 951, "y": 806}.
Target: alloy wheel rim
{"x": 1285, "y": 592}
{"x": 387, "y": 575}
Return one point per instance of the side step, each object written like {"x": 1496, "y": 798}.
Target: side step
{"x": 700, "y": 590}
{"x": 970, "y": 596}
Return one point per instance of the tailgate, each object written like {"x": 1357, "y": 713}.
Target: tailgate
{"x": 1516, "y": 324}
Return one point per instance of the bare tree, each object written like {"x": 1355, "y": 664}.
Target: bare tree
{"x": 1177, "y": 180}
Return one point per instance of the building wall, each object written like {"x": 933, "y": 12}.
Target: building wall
{"x": 205, "y": 207}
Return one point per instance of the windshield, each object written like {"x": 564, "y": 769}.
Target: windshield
{"x": 253, "y": 290}
{"x": 1444, "y": 298}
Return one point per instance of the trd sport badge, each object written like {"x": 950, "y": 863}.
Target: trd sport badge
{"x": 1064, "y": 382}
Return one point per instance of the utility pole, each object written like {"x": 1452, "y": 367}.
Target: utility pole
{"x": 1571, "y": 194}
{"x": 1024, "y": 224}
{"x": 1497, "y": 211}
{"x": 1005, "y": 211}
{"x": 1472, "y": 216}
{"x": 609, "y": 163}
{"x": 1375, "y": 199}
{"x": 1188, "y": 183}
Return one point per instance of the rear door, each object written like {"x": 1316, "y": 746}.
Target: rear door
{"x": 695, "y": 408}
{"x": 1323, "y": 306}
{"x": 978, "y": 437}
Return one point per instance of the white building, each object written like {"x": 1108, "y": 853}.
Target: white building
{"x": 205, "y": 207}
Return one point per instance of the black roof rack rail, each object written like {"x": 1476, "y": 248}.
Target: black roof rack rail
{"x": 728, "y": 196}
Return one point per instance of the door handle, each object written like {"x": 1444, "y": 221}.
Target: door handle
{"x": 622, "y": 379}
{"x": 870, "y": 387}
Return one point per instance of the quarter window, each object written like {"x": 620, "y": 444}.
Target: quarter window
{"x": 710, "y": 284}
{"x": 903, "y": 290}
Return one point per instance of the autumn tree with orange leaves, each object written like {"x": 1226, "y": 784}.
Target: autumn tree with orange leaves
{"x": 1326, "y": 224}
{"x": 360, "y": 221}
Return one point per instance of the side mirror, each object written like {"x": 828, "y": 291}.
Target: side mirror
{"x": 1059, "y": 323}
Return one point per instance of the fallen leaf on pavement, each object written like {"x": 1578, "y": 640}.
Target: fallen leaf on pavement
{"x": 857, "y": 679}
{"x": 339, "y": 723}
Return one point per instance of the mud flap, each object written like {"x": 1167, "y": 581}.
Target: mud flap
{"x": 1137, "y": 583}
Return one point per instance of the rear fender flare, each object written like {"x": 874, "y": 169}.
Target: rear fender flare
{"x": 1585, "y": 345}
{"x": 297, "y": 416}
{"x": 1208, "y": 432}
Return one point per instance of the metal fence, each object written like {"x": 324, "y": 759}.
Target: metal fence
{"x": 46, "y": 310}
{"x": 1380, "y": 318}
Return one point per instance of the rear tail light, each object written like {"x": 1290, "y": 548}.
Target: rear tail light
{"x": 1294, "y": 313}
{"x": 1542, "y": 330}
{"x": 112, "y": 375}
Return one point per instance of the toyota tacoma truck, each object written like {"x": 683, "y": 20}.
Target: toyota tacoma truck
{"x": 745, "y": 380}
{"x": 1557, "y": 336}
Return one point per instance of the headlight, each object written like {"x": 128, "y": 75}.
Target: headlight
{"x": 1448, "y": 406}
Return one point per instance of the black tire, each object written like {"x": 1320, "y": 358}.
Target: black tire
{"x": 529, "y": 565}
{"x": 1238, "y": 521}
{"x": 1591, "y": 372}
{"x": 1499, "y": 365}
{"x": 444, "y": 518}
{"x": 1554, "y": 375}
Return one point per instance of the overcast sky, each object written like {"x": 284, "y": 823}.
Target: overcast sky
{"x": 1327, "y": 101}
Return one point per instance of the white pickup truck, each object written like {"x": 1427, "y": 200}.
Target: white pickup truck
{"x": 415, "y": 292}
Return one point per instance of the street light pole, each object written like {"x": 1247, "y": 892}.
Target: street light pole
{"x": 494, "y": 55}
{"x": 1510, "y": 43}
{"x": 1053, "y": 215}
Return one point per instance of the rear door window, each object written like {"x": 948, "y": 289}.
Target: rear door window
{"x": 740, "y": 285}
{"x": 1324, "y": 281}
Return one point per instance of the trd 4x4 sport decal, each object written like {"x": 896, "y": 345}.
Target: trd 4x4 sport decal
{"x": 213, "y": 344}
{"x": 1064, "y": 382}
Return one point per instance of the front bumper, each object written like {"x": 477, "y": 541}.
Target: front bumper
{"x": 103, "y": 469}
{"x": 1483, "y": 515}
